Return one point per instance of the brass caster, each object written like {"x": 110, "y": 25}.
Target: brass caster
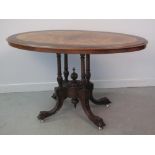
{"x": 100, "y": 128}
{"x": 107, "y": 105}
{"x": 100, "y": 124}
{"x": 42, "y": 121}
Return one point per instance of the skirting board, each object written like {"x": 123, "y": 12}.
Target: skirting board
{"x": 46, "y": 86}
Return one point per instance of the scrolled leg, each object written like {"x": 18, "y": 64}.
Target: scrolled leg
{"x": 60, "y": 98}
{"x": 54, "y": 96}
{"x": 84, "y": 98}
{"x": 100, "y": 101}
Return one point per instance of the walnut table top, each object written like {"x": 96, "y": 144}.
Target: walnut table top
{"x": 77, "y": 42}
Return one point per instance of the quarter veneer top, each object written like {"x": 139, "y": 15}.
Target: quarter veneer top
{"x": 77, "y": 42}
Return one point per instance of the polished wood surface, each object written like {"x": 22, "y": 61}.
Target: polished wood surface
{"x": 79, "y": 91}
{"x": 77, "y": 42}
{"x": 84, "y": 43}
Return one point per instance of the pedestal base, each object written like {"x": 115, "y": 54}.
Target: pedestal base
{"x": 77, "y": 91}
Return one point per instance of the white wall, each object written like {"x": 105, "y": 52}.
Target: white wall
{"x": 27, "y": 71}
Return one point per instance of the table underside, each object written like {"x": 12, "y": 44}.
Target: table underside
{"x": 80, "y": 91}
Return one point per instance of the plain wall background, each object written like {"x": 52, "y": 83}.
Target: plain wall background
{"x": 31, "y": 71}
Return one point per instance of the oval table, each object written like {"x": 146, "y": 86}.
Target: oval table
{"x": 84, "y": 43}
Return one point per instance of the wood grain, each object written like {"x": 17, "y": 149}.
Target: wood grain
{"x": 77, "y": 42}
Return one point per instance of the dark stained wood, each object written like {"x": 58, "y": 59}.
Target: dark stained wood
{"x": 83, "y": 73}
{"x": 66, "y": 72}
{"x": 88, "y": 74}
{"x": 59, "y": 77}
{"x": 77, "y": 42}
{"x": 77, "y": 90}
{"x": 60, "y": 96}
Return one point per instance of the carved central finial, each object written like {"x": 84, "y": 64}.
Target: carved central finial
{"x": 74, "y": 75}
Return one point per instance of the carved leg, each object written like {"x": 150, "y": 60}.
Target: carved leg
{"x": 60, "y": 95}
{"x": 101, "y": 101}
{"x": 54, "y": 96}
{"x": 84, "y": 98}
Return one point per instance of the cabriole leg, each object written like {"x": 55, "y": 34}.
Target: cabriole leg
{"x": 101, "y": 101}
{"x": 84, "y": 98}
{"x": 60, "y": 96}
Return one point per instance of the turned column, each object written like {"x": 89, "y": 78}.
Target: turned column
{"x": 83, "y": 74}
{"x": 88, "y": 74}
{"x": 59, "y": 77}
{"x": 66, "y": 72}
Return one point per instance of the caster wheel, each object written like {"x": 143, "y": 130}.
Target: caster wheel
{"x": 42, "y": 121}
{"x": 107, "y": 105}
{"x": 43, "y": 114}
{"x": 100, "y": 124}
{"x": 100, "y": 128}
